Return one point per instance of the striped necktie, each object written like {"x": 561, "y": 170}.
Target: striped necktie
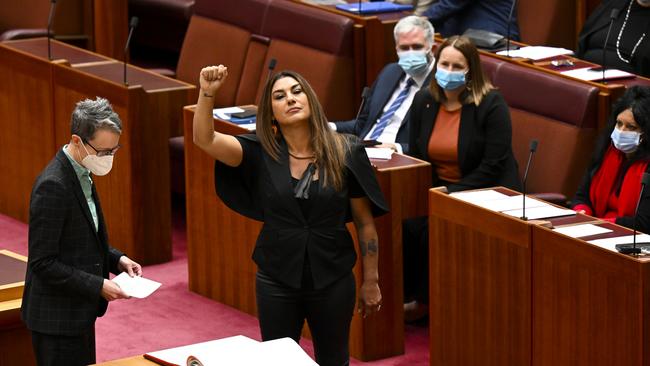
{"x": 390, "y": 112}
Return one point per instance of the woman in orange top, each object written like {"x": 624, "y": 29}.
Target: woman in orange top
{"x": 461, "y": 124}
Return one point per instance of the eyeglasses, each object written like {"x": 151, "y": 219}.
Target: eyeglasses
{"x": 101, "y": 153}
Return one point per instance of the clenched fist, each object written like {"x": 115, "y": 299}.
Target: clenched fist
{"x": 211, "y": 78}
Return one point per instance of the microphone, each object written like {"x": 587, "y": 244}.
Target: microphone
{"x": 612, "y": 16}
{"x": 272, "y": 63}
{"x": 626, "y": 248}
{"x": 533, "y": 148}
{"x": 512, "y": 9}
{"x": 132, "y": 25}
{"x": 49, "y": 27}
{"x": 364, "y": 97}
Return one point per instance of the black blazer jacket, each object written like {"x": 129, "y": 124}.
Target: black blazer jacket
{"x": 68, "y": 259}
{"x": 599, "y": 19}
{"x": 485, "y": 153}
{"x": 380, "y": 92}
{"x": 261, "y": 188}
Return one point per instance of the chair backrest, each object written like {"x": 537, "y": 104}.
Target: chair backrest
{"x": 325, "y": 61}
{"x": 245, "y": 35}
{"x": 220, "y": 33}
{"x": 561, "y": 114}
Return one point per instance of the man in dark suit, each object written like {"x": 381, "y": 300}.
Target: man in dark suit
{"x": 384, "y": 114}
{"x": 454, "y": 17}
{"x": 66, "y": 285}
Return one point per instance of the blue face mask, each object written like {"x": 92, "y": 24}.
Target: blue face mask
{"x": 626, "y": 141}
{"x": 450, "y": 80}
{"x": 413, "y": 63}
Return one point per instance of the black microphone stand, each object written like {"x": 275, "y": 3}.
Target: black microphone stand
{"x": 533, "y": 148}
{"x": 626, "y": 248}
{"x": 612, "y": 16}
{"x": 49, "y": 28}
{"x": 132, "y": 25}
{"x": 512, "y": 9}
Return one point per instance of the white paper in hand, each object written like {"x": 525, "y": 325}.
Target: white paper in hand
{"x": 139, "y": 287}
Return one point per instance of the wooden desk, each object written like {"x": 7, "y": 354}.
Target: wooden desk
{"x": 590, "y": 305}
{"x": 15, "y": 339}
{"x": 220, "y": 244}
{"x": 129, "y": 361}
{"x": 35, "y": 109}
{"x": 507, "y": 292}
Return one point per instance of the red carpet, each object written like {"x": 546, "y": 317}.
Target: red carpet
{"x": 174, "y": 316}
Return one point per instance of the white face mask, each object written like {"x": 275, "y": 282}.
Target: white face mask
{"x": 98, "y": 165}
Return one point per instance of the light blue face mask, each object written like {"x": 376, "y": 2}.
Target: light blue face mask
{"x": 626, "y": 141}
{"x": 450, "y": 80}
{"x": 413, "y": 63}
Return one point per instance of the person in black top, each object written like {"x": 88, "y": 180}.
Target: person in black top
{"x": 304, "y": 181}
{"x": 628, "y": 47}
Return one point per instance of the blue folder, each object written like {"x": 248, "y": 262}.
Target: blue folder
{"x": 374, "y": 7}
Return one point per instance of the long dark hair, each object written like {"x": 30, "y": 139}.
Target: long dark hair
{"x": 637, "y": 99}
{"x": 330, "y": 148}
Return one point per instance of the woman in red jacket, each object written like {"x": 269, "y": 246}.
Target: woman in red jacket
{"x": 610, "y": 189}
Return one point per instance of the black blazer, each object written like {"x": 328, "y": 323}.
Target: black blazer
{"x": 599, "y": 19}
{"x": 380, "y": 92}
{"x": 484, "y": 141}
{"x": 260, "y": 188}
{"x": 68, "y": 259}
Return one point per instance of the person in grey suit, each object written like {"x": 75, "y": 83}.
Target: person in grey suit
{"x": 67, "y": 285}
{"x": 384, "y": 114}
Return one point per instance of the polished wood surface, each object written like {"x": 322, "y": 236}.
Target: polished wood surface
{"x": 130, "y": 361}
{"x": 509, "y": 292}
{"x": 479, "y": 285}
{"x": 15, "y": 339}
{"x": 111, "y": 27}
{"x": 590, "y": 304}
{"x": 12, "y": 275}
{"x": 220, "y": 244}
{"x": 135, "y": 197}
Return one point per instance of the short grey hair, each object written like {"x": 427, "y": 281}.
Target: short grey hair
{"x": 411, "y": 22}
{"x": 92, "y": 115}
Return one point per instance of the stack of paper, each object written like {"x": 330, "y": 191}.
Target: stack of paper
{"x": 384, "y": 153}
{"x": 536, "y": 52}
{"x": 610, "y": 243}
{"x": 590, "y": 74}
{"x": 235, "y": 351}
{"x": 579, "y": 231}
{"x": 512, "y": 205}
{"x": 225, "y": 114}
{"x": 137, "y": 286}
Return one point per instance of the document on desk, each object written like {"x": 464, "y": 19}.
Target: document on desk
{"x": 536, "y": 52}
{"x": 610, "y": 243}
{"x": 588, "y": 74}
{"x": 511, "y": 203}
{"x": 384, "y": 153}
{"x": 137, "y": 286}
{"x": 224, "y": 113}
{"x": 476, "y": 197}
{"x": 544, "y": 212}
{"x": 579, "y": 231}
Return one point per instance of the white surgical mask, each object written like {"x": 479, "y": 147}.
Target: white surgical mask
{"x": 98, "y": 165}
{"x": 626, "y": 141}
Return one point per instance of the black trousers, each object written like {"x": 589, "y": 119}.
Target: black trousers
{"x": 282, "y": 311}
{"x": 60, "y": 350}
{"x": 415, "y": 241}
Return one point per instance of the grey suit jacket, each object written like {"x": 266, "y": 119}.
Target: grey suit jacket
{"x": 68, "y": 258}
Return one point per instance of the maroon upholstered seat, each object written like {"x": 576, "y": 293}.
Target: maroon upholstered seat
{"x": 559, "y": 113}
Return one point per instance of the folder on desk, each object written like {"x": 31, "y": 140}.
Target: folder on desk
{"x": 374, "y": 7}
